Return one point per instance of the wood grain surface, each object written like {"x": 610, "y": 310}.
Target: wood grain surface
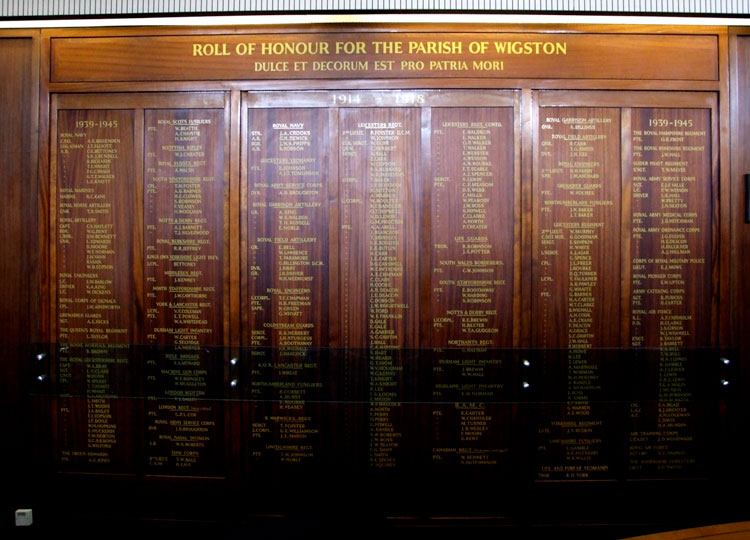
{"x": 301, "y": 192}
{"x": 382, "y": 56}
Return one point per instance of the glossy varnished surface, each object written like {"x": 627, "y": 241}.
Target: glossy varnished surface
{"x": 423, "y": 225}
{"x": 381, "y": 55}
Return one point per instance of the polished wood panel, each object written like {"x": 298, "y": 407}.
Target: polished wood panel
{"x": 184, "y": 226}
{"x": 575, "y": 296}
{"x": 95, "y": 210}
{"x": 468, "y": 276}
{"x": 564, "y": 413}
{"x": 382, "y": 55}
{"x": 666, "y": 160}
{"x": 297, "y": 416}
{"x": 19, "y": 238}
{"x": 166, "y": 185}
{"x": 471, "y": 248}
{"x": 728, "y": 531}
{"x": 185, "y": 250}
{"x": 471, "y": 427}
{"x": 739, "y": 231}
{"x": 380, "y": 183}
{"x": 95, "y": 422}
{"x": 288, "y": 227}
{"x": 671, "y": 227}
{"x": 95, "y": 207}
{"x": 739, "y": 196}
{"x": 184, "y": 422}
{"x": 671, "y": 282}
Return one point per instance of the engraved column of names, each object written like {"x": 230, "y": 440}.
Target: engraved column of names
{"x": 575, "y": 297}
{"x": 288, "y": 227}
{"x": 94, "y": 283}
{"x": 670, "y": 273}
{"x": 472, "y": 227}
{"x": 184, "y": 224}
{"x": 379, "y": 283}
{"x": 94, "y": 416}
{"x": 94, "y": 206}
{"x": 472, "y": 154}
{"x": 473, "y": 429}
{"x": 288, "y": 275}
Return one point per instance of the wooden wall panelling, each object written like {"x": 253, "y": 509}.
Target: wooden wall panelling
{"x": 626, "y": 225}
{"x": 242, "y": 435}
{"x": 288, "y": 266}
{"x": 186, "y": 256}
{"x": 518, "y": 250}
{"x": 671, "y": 138}
{"x": 288, "y": 227}
{"x": 737, "y": 63}
{"x": 349, "y": 141}
{"x": 470, "y": 314}
{"x": 269, "y": 92}
{"x": 592, "y": 75}
{"x": 234, "y": 238}
{"x": 46, "y": 133}
{"x": 722, "y": 125}
{"x": 455, "y": 83}
{"x": 138, "y": 228}
{"x": 528, "y": 164}
{"x": 289, "y": 188}
{"x": 272, "y": 56}
{"x": 577, "y": 187}
{"x": 675, "y": 292}
{"x": 19, "y": 259}
{"x": 682, "y": 140}
{"x": 464, "y": 230}
{"x": 723, "y": 304}
{"x": 95, "y": 204}
{"x": 670, "y": 100}
{"x": 177, "y": 240}
{"x": 740, "y": 230}
{"x": 48, "y": 217}
{"x": 233, "y": 357}
{"x": 92, "y": 288}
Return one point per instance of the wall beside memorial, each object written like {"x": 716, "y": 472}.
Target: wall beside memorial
{"x": 346, "y": 260}
{"x": 19, "y": 265}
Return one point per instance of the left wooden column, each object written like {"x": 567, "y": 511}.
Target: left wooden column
{"x": 138, "y": 310}
{"x": 19, "y": 270}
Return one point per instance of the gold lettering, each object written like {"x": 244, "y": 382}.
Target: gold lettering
{"x": 531, "y": 47}
{"x": 210, "y": 49}
{"x": 435, "y": 47}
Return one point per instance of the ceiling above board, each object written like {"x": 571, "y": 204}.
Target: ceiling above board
{"x": 25, "y": 9}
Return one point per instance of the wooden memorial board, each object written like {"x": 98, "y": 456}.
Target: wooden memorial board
{"x": 670, "y": 258}
{"x": 110, "y": 151}
{"x": 575, "y": 298}
{"x": 184, "y": 170}
{"x": 94, "y": 309}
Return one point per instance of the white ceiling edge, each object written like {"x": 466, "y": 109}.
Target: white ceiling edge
{"x": 390, "y": 18}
